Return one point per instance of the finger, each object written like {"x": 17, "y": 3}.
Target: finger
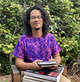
{"x": 52, "y": 60}
{"x": 38, "y": 60}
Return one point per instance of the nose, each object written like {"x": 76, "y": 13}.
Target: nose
{"x": 36, "y": 19}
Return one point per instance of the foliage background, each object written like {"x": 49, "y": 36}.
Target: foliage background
{"x": 65, "y": 26}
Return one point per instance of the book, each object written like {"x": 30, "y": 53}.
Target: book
{"x": 32, "y": 79}
{"x": 43, "y": 75}
{"x": 47, "y": 63}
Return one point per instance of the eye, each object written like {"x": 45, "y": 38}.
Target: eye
{"x": 33, "y": 17}
{"x": 39, "y": 17}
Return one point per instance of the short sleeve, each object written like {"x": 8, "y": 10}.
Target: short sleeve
{"x": 55, "y": 46}
{"x": 19, "y": 49}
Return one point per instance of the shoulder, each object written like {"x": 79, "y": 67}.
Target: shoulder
{"x": 50, "y": 35}
{"x": 22, "y": 37}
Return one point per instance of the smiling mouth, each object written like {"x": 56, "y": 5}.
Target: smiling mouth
{"x": 36, "y": 23}
{"x": 37, "y": 28}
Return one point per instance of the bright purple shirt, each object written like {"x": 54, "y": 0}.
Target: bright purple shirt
{"x": 33, "y": 48}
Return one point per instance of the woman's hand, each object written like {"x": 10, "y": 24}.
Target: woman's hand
{"x": 55, "y": 58}
{"x": 35, "y": 66}
{"x": 53, "y": 67}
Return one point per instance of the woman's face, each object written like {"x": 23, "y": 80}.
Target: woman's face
{"x": 36, "y": 20}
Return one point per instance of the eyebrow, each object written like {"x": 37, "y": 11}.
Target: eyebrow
{"x": 34, "y": 16}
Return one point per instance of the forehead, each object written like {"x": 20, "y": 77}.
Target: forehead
{"x": 35, "y": 12}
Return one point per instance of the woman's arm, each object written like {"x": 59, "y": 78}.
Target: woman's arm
{"x": 23, "y": 66}
{"x": 57, "y": 58}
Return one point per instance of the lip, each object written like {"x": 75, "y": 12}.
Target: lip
{"x": 36, "y": 24}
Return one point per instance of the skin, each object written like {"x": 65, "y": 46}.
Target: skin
{"x": 35, "y": 23}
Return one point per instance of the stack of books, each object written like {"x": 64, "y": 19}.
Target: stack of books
{"x": 43, "y": 75}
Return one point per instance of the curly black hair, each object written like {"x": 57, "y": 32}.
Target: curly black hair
{"x": 45, "y": 17}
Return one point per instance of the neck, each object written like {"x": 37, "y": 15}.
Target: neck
{"x": 37, "y": 33}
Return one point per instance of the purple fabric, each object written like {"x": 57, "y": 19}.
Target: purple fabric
{"x": 32, "y": 48}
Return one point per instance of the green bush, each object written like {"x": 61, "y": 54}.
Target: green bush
{"x": 11, "y": 14}
{"x": 10, "y": 25}
{"x": 5, "y": 64}
{"x": 65, "y": 25}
